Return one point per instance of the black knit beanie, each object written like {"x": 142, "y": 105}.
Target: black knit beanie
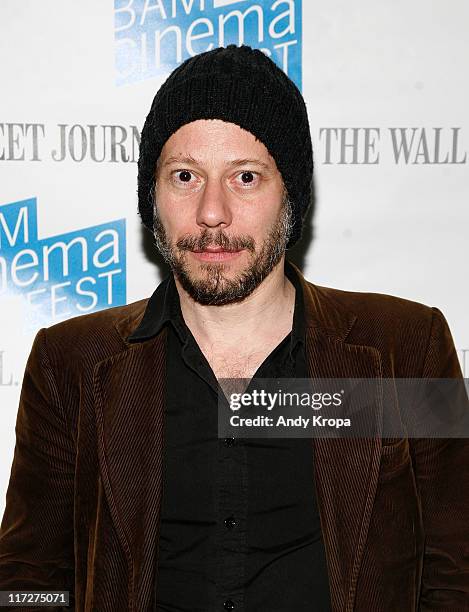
{"x": 240, "y": 85}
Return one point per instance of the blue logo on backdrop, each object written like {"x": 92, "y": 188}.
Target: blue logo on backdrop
{"x": 64, "y": 275}
{"x": 154, "y": 37}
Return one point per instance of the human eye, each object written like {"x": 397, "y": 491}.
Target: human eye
{"x": 248, "y": 178}
{"x": 182, "y": 177}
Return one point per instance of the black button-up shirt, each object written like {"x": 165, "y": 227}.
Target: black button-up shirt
{"x": 239, "y": 523}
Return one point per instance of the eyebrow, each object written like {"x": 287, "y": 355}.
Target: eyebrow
{"x": 233, "y": 163}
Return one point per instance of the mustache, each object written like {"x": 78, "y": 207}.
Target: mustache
{"x": 219, "y": 238}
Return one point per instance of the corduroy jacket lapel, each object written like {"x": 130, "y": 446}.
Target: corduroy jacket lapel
{"x": 129, "y": 390}
{"x": 347, "y": 469}
{"x": 129, "y": 393}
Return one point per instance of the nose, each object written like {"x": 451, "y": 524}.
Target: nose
{"x": 213, "y": 208}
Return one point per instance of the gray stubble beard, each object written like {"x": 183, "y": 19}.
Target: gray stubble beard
{"x": 215, "y": 288}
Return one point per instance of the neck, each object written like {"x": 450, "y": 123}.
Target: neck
{"x": 268, "y": 307}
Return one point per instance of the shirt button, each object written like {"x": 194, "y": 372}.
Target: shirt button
{"x": 230, "y": 522}
{"x": 229, "y": 604}
{"x": 230, "y": 441}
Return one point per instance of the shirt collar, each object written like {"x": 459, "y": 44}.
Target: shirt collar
{"x": 164, "y": 306}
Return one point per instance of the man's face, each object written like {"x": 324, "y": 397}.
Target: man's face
{"x": 221, "y": 216}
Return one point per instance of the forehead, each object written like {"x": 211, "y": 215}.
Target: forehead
{"x": 214, "y": 139}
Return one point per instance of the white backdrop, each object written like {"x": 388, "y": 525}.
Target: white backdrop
{"x": 387, "y": 96}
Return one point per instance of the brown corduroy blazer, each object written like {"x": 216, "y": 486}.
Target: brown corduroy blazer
{"x": 83, "y": 501}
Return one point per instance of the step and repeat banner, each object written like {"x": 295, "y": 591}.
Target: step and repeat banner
{"x": 387, "y": 98}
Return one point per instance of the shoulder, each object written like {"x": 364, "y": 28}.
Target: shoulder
{"x": 94, "y": 336}
{"x": 404, "y": 331}
{"x": 380, "y": 308}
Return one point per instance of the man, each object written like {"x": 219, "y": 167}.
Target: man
{"x": 121, "y": 490}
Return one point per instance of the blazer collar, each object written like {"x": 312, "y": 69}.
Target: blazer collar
{"x": 322, "y": 312}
